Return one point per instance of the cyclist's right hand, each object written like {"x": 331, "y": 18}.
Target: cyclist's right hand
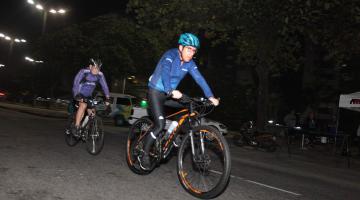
{"x": 214, "y": 101}
{"x": 176, "y": 94}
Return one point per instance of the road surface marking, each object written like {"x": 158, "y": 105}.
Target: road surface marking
{"x": 261, "y": 184}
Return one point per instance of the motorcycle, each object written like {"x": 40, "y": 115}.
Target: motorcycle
{"x": 249, "y": 136}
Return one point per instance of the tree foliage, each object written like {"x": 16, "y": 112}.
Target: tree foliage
{"x": 123, "y": 48}
{"x": 268, "y": 35}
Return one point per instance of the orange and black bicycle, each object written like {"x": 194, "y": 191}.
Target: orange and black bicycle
{"x": 204, "y": 162}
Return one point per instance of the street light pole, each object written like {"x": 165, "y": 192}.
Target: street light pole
{"x": 44, "y": 23}
{"x": 10, "y": 50}
{"x": 124, "y": 82}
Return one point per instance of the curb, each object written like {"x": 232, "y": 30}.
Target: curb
{"x": 34, "y": 110}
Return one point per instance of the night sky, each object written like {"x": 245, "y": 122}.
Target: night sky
{"x": 17, "y": 17}
{"x": 20, "y": 19}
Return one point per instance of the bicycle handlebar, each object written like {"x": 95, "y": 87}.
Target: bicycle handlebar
{"x": 200, "y": 100}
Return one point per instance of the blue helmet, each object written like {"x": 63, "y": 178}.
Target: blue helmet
{"x": 189, "y": 39}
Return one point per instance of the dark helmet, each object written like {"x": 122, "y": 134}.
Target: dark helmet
{"x": 95, "y": 62}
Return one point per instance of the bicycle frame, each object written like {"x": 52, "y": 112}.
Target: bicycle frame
{"x": 188, "y": 115}
{"x": 91, "y": 114}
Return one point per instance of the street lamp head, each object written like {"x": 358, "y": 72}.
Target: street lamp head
{"x": 17, "y": 40}
{"x": 29, "y": 59}
{"x": 61, "y": 11}
{"x": 7, "y": 38}
{"x": 22, "y": 40}
{"x": 2, "y": 35}
{"x": 30, "y": 1}
{"x": 40, "y": 7}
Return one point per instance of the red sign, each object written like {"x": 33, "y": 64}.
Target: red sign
{"x": 355, "y": 101}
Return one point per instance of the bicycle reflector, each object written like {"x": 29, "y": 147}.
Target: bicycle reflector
{"x": 143, "y": 104}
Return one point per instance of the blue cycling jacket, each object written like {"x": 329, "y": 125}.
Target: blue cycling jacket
{"x": 85, "y": 83}
{"x": 169, "y": 72}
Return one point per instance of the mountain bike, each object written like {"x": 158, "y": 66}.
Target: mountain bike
{"x": 91, "y": 129}
{"x": 203, "y": 159}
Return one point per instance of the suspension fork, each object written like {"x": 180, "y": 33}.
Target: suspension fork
{"x": 191, "y": 133}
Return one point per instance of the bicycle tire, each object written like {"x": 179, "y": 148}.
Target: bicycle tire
{"x": 183, "y": 175}
{"x": 95, "y": 136}
{"x": 138, "y": 129}
{"x": 70, "y": 139}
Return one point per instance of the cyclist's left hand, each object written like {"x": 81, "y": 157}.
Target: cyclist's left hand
{"x": 214, "y": 101}
{"x": 176, "y": 94}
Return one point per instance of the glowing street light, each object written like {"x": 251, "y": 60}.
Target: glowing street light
{"x": 60, "y": 11}
{"x": 33, "y": 60}
{"x": 7, "y": 37}
{"x": 40, "y": 7}
{"x": 45, "y": 11}
{"x": 1, "y": 65}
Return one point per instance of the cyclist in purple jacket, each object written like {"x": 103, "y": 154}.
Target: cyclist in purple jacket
{"x": 84, "y": 84}
{"x": 170, "y": 70}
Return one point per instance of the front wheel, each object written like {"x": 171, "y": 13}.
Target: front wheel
{"x": 204, "y": 170}
{"x": 95, "y": 136}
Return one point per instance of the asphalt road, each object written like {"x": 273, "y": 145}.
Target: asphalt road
{"x": 36, "y": 164}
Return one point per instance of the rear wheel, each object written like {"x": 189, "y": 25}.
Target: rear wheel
{"x": 205, "y": 174}
{"x": 70, "y": 139}
{"x": 135, "y": 144}
{"x": 95, "y": 137}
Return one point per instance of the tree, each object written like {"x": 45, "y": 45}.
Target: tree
{"x": 122, "y": 47}
{"x": 271, "y": 36}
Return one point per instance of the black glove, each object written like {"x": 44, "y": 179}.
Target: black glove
{"x": 79, "y": 97}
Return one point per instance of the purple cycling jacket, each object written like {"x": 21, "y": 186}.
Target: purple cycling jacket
{"x": 85, "y": 83}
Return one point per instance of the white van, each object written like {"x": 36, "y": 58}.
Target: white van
{"x": 121, "y": 106}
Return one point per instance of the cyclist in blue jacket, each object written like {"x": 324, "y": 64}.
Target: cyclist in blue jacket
{"x": 84, "y": 84}
{"x": 170, "y": 70}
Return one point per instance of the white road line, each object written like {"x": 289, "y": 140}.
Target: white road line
{"x": 261, "y": 184}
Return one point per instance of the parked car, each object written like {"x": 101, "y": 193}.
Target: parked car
{"x": 121, "y": 106}
{"x": 139, "y": 112}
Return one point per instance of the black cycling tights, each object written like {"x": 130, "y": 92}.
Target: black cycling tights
{"x": 157, "y": 101}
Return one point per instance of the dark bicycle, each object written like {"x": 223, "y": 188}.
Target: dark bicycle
{"x": 204, "y": 162}
{"x": 91, "y": 129}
